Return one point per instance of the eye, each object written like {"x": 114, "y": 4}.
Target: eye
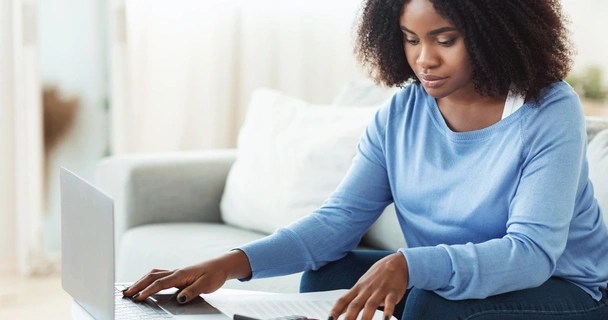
{"x": 411, "y": 41}
{"x": 446, "y": 43}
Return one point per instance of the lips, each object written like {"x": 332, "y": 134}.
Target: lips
{"x": 432, "y": 81}
{"x": 429, "y": 77}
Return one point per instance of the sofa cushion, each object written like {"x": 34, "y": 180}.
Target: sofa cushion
{"x": 597, "y": 154}
{"x": 363, "y": 93}
{"x": 386, "y": 232}
{"x": 595, "y": 125}
{"x": 291, "y": 155}
{"x": 177, "y": 245}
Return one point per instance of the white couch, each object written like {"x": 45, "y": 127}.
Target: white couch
{"x": 170, "y": 209}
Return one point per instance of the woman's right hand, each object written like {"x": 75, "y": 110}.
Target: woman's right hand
{"x": 205, "y": 277}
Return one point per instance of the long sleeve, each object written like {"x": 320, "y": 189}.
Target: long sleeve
{"x": 328, "y": 233}
{"x": 549, "y": 200}
{"x": 483, "y": 212}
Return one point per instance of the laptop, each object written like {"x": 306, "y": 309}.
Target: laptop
{"x": 87, "y": 261}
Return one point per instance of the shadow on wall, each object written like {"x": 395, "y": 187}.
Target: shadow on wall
{"x": 58, "y": 113}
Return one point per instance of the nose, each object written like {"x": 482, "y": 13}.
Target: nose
{"x": 427, "y": 57}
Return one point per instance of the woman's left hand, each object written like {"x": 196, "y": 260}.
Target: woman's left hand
{"x": 384, "y": 284}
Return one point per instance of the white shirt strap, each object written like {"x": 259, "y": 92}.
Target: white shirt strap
{"x": 512, "y": 103}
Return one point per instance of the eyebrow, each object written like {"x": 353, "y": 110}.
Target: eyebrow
{"x": 432, "y": 32}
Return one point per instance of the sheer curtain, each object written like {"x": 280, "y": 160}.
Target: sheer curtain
{"x": 183, "y": 71}
{"x": 21, "y": 218}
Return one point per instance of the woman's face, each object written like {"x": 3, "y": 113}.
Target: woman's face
{"x": 435, "y": 50}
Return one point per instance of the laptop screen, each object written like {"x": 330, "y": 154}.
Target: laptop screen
{"x": 87, "y": 245}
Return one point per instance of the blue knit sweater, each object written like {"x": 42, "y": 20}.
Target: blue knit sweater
{"x": 483, "y": 212}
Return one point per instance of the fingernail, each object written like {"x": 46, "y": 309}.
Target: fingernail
{"x": 182, "y": 298}
{"x": 330, "y": 318}
{"x": 135, "y": 295}
{"x": 385, "y": 317}
{"x": 125, "y": 289}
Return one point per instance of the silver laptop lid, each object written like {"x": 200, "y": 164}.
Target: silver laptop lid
{"x": 87, "y": 245}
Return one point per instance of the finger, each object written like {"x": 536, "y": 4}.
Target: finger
{"x": 341, "y": 304}
{"x": 204, "y": 284}
{"x": 356, "y": 305}
{"x": 371, "y": 305}
{"x": 174, "y": 279}
{"x": 145, "y": 281}
{"x": 353, "y": 309}
{"x": 148, "y": 278}
{"x": 390, "y": 302}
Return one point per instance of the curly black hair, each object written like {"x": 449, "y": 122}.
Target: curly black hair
{"x": 519, "y": 43}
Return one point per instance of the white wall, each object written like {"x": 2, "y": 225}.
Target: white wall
{"x": 71, "y": 33}
{"x": 8, "y": 254}
{"x": 20, "y": 147}
{"x": 72, "y": 41}
{"x": 589, "y": 21}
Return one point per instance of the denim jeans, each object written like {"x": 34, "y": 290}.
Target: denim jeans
{"x": 555, "y": 299}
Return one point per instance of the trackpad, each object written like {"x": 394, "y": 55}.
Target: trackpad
{"x": 198, "y": 306}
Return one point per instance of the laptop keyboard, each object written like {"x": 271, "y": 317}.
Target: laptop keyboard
{"x": 125, "y": 308}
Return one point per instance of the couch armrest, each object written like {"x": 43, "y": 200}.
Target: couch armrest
{"x": 170, "y": 187}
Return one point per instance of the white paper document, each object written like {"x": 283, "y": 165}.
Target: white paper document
{"x": 315, "y": 305}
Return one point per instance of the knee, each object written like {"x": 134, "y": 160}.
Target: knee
{"x": 328, "y": 277}
{"x": 422, "y": 304}
{"x": 310, "y": 281}
{"x": 339, "y": 274}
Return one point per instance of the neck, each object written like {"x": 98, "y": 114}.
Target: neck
{"x": 471, "y": 114}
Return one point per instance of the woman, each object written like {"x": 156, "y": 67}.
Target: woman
{"x": 484, "y": 158}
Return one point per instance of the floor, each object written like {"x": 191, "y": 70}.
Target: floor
{"x": 33, "y": 298}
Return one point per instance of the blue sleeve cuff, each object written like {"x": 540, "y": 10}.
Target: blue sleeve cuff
{"x": 275, "y": 255}
{"x": 430, "y": 268}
